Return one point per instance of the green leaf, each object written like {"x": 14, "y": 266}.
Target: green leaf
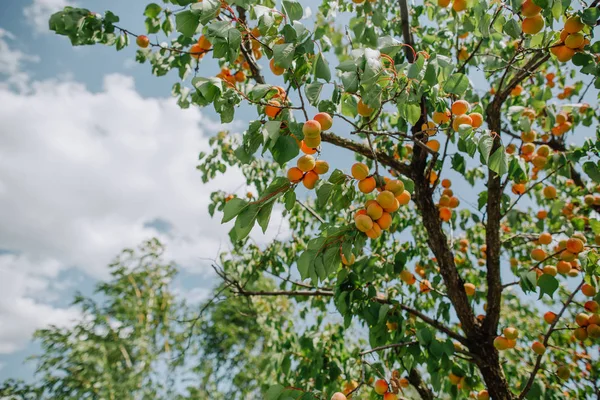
{"x": 458, "y": 163}
{"x": 592, "y": 170}
{"x": 264, "y": 216}
{"x": 415, "y": 68}
{"x": 323, "y": 194}
{"x": 152, "y": 10}
{"x": 284, "y": 149}
{"x": 207, "y": 10}
{"x": 486, "y": 142}
{"x": 350, "y": 81}
{"x": 284, "y": 54}
{"x": 304, "y": 263}
{"x": 187, "y": 22}
{"x": 595, "y": 225}
{"x": 290, "y": 199}
{"x": 245, "y": 221}
{"x": 274, "y": 392}
{"x": 313, "y": 91}
{"x": 548, "y": 285}
{"x": 512, "y": 28}
{"x": 232, "y": 208}
{"x": 528, "y": 281}
{"x": 590, "y": 16}
{"x": 498, "y": 161}
{"x": 293, "y": 9}
{"x": 322, "y": 68}
{"x": 413, "y": 113}
{"x": 457, "y": 84}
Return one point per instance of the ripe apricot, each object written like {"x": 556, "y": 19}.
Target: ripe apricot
{"x": 469, "y": 289}
{"x": 321, "y": 167}
{"x": 459, "y": 5}
{"x": 273, "y": 109}
{"x": 580, "y": 333}
{"x": 395, "y": 186}
{"x": 510, "y": 333}
{"x": 360, "y": 171}
{"x": 363, "y": 222}
{"x": 429, "y": 128}
{"x": 550, "y": 270}
{"x": 591, "y": 306}
{"x": 196, "y": 51}
{"x": 310, "y": 179}
{"x": 338, "y": 396}
{"x": 562, "y": 52}
{"x": 306, "y": 163}
{"x": 407, "y": 277}
{"x": 446, "y": 183}
{"x": 204, "y": 43}
{"x": 530, "y": 9}
{"x": 363, "y": 109}
{"x": 538, "y": 254}
{"x": 476, "y": 120}
{"x": 528, "y": 137}
{"x": 295, "y": 175}
{"x": 518, "y": 188}
{"x": 549, "y": 192}
{"x": 549, "y": 317}
{"x": 313, "y": 143}
{"x": 593, "y": 331}
{"x": 345, "y": 261}
{"x": 385, "y": 221}
{"x": 441, "y": 117}
{"x": 574, "y": 24}
{"x": 143, "y": 41}
{"x": 305, "y": 149}
{"x": 367, "y": 185}
{"x": 501, "y": 343}
{"x": 311, "y": 128}
{"x": 582, "y": 319}
{"x": 403, "y": 198}
{"x": 454, "y": 202}
{"x": 545, "y": 238}
{"x": 443, "y": 3}
{"x": 445, "y": 214}
{"x": 433, "y": 145}
{"x": 275, "y": 69}
{"x": 575, "y": 245}
{"x": 563, "y": 267}
{"x": 460, "y": 107}
{"x": 516, "y": 91}
{"x": 240, "y": 76}
{"x": 386, "y": 199}
{"x": 325, "y": 120}
{"x": 425, "y": 286}
{"x": 574, "y": 40}
{"x": 533, "y": 25}
{"x": 374, "y": 210}
{"x": 461, "y": 120}
{"x": 394, "y": 207}
{"x": 374, "y": 232}
{"x": 483, "y": 395}
{"x": 538, "y": 348}
{"x": 588, "y": 290}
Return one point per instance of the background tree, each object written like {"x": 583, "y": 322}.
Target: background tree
{"x": 527, "y": 223}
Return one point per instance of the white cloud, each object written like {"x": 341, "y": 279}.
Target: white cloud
{"x": 40, "y": 11}
{"x": 81, "y": 175}
{"x": 11, "y": 63}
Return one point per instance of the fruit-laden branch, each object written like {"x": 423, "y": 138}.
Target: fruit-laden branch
{"x": 551, "y": 329}
{"x": 495, "y": 188}
{"x": 436, "y": 238}
{"x": 240, "y": 290}
{"x": 388, "y": 346}
{"x": 384, "y": 158}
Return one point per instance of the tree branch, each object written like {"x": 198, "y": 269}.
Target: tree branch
{"x": 551, "y": 329}
{"x": 414, "y": 377}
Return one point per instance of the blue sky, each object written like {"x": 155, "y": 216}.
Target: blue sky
{"x": 95, "y": 157}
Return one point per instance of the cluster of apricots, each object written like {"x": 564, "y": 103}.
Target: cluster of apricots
{"x": 588, "y": 322}
{"x": 308, "y": 169}
{"x": 571, "y": 39}
{"x": 390, "y": 390}
{"x": 567, "y": 250}
{"x": 508, "y": 339}
{"x": 563, "y": 125}
{"x": 533, "y": 22}
{"x": 457, "y": 5}
{"x": 566, "y": 93}
{"x": 277, "y": 103}
{"x": 376, "y": 216}
{"x": 459, "y": 114}
{"x": 447, "y": 201}
{"x": 550, "y": 79}
{"x": 199, "y": 49}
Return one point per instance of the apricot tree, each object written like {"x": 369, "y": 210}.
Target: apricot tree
{"x": 473, "y": 180}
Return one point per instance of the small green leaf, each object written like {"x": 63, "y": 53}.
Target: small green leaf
{"x": 152, "y": 10}
{"x": 457, "y": 84}
{"x": 313, "y": 91}
{"x": 548, "y": 285}
{"x": 592, "y": 170}
{"x": 187, "y": 22}
{"x": 322, "y": 68}
{"x": 232, "y": 208}
{"x": 591, "y": 15}
{"x": 293, "y": 9}
{"x": 284, "y": 54}
{"x": 512, "y": 28}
